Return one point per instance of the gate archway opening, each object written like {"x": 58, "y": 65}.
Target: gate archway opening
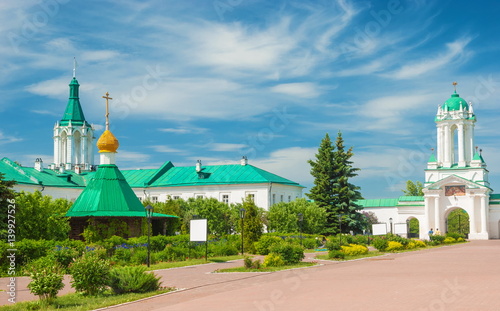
{"x": 414, "y": 228}
{"x": 458, "y": 222}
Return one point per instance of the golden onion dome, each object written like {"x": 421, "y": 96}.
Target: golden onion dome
{"x": 107, "y": 142}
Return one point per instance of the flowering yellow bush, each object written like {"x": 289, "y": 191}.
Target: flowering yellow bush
{"x": 460, "y": 240}
{"x": 273, "y": 260}
{"x": 415, "y": 244}
{"x": 354, "y": 249}
{"x": 394, "y": 246}
{"x": 449, "y": 240}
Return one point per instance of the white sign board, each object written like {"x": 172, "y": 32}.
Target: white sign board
{"x": 198, "y": 230}
{"x": 379, "y": 229}
{"x": 400, "y": 228}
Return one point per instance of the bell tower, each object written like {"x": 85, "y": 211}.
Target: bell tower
{"x": 455, "y": 132}
{"x": 73, "y": 135}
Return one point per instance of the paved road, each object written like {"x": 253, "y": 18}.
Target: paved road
{"x": 459, "y": 277}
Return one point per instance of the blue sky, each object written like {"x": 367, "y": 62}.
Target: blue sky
{"x": 216, "y": 80}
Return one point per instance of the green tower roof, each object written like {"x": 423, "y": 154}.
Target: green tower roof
{"x": 73, "y": 112}
{"x": 454, "y": 103}
{"x": 108, "y": 194}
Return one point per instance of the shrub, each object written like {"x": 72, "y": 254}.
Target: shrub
{"x": 28, "y": 250}
{"x": 415, "y": 244}
{"x": 273, "y": 260}
{"x": 65, "y": 255}
{"x": 455, "y": 235}
{"x": 393, "y": 246}
{"x": 336, "y": 254}
{"x": 249, "y": 264}
{"x": 437, "y": 238}
{"x": 265, "y": 242}
{"x": 46, "y": 278}
{"x": 460, "y": 240}
{"x": 333, "y": 245}
{"x": 132, "y": 280}
{"x": 222, "y": 249}
{"x": 122, "y": 255}
{"x": 449, "y": 240}
{"x": 90, "y": 274}
{"x": 380, "y": 244}
{"x": 397, "y": 238}
{"x": 173, "y": 253}
{"x": 290, "y": 253}
{"x": 354, "y": 250}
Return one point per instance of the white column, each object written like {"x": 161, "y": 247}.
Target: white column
{"x": 439, "y": 143}
{"x": 471, "y": 137}
{"x": 461, "y": 147}
{"x": 484, "y": 222}
{"x": 56, "y": 150}
{"x": 427, "y": 218}
{"x": 472, "y": 219}
{"x": 447, "y": 146}
{"x": 69, "y": 151}
{"x": 436, "y": 214}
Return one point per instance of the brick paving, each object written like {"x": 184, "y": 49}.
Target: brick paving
{"x": 458, "y": 277}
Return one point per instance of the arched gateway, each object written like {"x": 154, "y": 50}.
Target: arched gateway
{"x": 456, "y": 177}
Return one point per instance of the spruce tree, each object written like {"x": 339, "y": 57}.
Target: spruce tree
{"x": 346, "y": 194}
{"x": 322, "y": 169}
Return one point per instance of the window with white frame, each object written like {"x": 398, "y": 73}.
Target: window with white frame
{"x": 274, "y": 198}
{"x": 289, "y": 198}
{"x": 176, "y": 197}
{"x": 225, "y": 198}
{"x": 281, "y": 198}
{"x": 154, "y": 199}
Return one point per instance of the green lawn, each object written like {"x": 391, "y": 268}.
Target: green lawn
{"x": 78, "y": 302}
{"x": 370, "y": 254}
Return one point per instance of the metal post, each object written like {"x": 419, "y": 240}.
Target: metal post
{"x": 149, "y": 215}
{"x": 390, "y": 222}
{"x": 242, "y": 216}
{"x": 301, "y": 219}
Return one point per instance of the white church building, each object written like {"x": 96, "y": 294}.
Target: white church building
{"x": 73, "y": 166}
{"x": 456, "y": 178}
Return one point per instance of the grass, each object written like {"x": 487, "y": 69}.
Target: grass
{"x": 191, "y": 262}
{"x": 268, "y": 269}
{"x": 78, "y": 302}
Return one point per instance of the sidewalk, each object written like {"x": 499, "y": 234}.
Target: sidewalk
{"x": 180, "y": 278}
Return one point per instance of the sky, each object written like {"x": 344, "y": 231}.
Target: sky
{"x": 218, "y": 80}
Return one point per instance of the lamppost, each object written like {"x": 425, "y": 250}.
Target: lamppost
{"x": 242, "y": 216}
{"x": 340, "y": 229}
{"x": 408, "y": 229}
{"x": 149, "y": 216}
{"x": 301, "y": 219}
{"x": 390, "y": 222}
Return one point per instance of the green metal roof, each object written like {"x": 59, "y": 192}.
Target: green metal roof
{"x": 73, "y": 112}
{"x": 166, "y": 176}
{"x": 478, "y": 157}
{"x": 108, "y": 194}
{"x": 29, "y": 175}
{"x": 409, "y": 198}
{"x": 455, "y": 102}
{"x": 171, "y": 176}
{"x": 378, "y": 202}
{"x": 432, "y": 158}
{"x": 495, "y": 196}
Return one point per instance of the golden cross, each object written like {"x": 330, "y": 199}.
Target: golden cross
{"x": 455, "y": 86}
{"x": 107, "y": 110}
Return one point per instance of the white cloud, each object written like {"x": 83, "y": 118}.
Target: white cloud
{"x": 184, "y": 130}
{"x": 454, "y": 52}
{"x": 6, "y": 139}
{"x": 46, "y": 112}
{"x": 289, "y": 163}
{"x": 226, "y": 147}
{"x": 99, "y": 55}
{"x": 165, "y": 149}
{"x": 303, "y": 89}
{"x": 131, "y": 156}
